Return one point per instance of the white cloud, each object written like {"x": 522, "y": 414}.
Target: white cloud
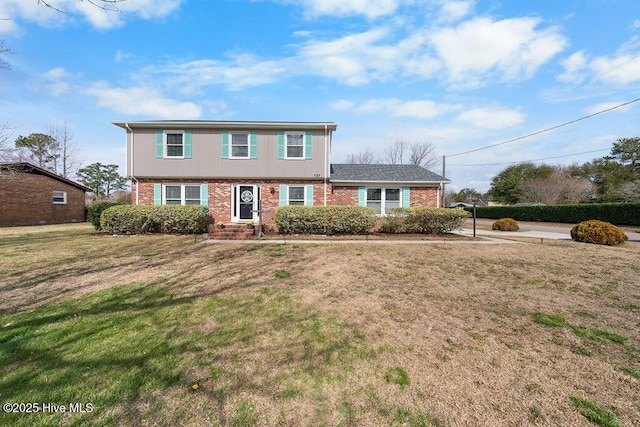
{"x": 140, "y": 101}
{"x": 574, "y": 67}
{"x": 342, "y": 105}
{"x": 620, "y": 69}
{"x": 493, "y": 118}
{"x": 369, "y": 8}
{"x": 68, "y": 10}
{"x": 510, "y": 49}
{"x": 418, "y": 109}
{"x": 452, "y": 11}
{"x": 607, "y": 105}
{"x": 56, "y": 81}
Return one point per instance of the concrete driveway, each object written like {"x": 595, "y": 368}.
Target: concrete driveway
{"x": 534, "y": 229}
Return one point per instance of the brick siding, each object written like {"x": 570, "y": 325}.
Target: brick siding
{"x": 27, "y": 199}
{"x": 220, "y": 195}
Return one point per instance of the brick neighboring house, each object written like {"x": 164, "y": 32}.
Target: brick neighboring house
{"x": 235, "y": 167}
{"x": 30, "y": 195}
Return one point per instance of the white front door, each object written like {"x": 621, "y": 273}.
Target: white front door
{"x": 245, "y": 201}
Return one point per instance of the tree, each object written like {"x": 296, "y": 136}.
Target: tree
{"x": 422, "y": 154}
{"x": 67, "y": 160}
{"x": 6, "y": 133}
{"x": 467, "y": 195}
{"x": 41, "y": 149}
{"x": 102, "y": 179}
{"x": 365, "y": 157}
{"x": 395, "y": 153}
{"x": 559, "y": 187}
{"x": 506, "y": 187}
{"x": 627, "y": 152}
{"x": 607, "y": 175}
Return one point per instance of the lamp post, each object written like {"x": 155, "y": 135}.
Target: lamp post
{"x": 474, "y": 201}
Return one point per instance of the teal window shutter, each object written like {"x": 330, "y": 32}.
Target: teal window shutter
{"x": 204, "y": 194}
{"x": 187, "y": 144}
{"x": 362, "y": 196}
{"x": 157, "y": 194}
{"x": 280, "y": 145}
{"x": 159, "y": 144}
{"x": 308, "y": 195}
{"x": 308, "y": 146}
{"x": 283, "y": 195}
{"x": 225, "y": 145}
{"x": 253, "y": 145}
{"x": 406, "y": 197}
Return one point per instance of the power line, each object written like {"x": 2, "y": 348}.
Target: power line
{"x": 545, "y": 130}
{"x": 535, "y": 160}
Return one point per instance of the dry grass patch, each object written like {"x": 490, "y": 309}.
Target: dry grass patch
{"x": 357, "y": 335}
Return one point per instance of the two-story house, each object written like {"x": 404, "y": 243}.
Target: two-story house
{"x": 238, "y": 169}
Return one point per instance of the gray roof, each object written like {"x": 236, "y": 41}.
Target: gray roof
{"x": 384, "y": 173}
{"x": 26, "y": 167}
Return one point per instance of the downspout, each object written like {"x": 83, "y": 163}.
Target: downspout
{"x": 130, "y": 163}
{"x": 326, "y": 165}
{"x": 439, "y": 192}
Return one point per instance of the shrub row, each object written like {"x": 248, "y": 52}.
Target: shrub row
{"x": 324, "y": 219}
{"x": 423, "y": 220}
{"x": 94, "y": 212}
{"x": 136, "y": 219}
{"x": 615, "y": 213}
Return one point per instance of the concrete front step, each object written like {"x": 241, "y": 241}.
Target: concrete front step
{"x": 231, "y": 232}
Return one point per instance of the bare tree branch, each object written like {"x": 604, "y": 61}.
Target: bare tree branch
{"x": 68, "y": 160}
{"x": 395, "y": 153}
{"x": 365, "y": 157}
{"x": 107, "y": 5}
{"x": 4, "y": 50}
{"x": 423, "y": 154}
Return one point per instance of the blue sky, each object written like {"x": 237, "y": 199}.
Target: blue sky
{"x": 458, "y": 74}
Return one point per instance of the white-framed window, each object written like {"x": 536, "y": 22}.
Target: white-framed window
{"x": 294, "y": 145}
{"x": 59, "y": 197}
{"x": 295, "y": 195}
{"x": 174, "y": 144}
{"x": 384, "y": 199}
{"x": 239, "y": 145}
{"x": 181, "y": 194}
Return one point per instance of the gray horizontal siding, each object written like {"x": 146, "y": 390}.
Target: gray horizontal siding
{"x": 207, "y": 161}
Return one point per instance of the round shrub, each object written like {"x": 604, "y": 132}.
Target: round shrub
{"x": 506, "y": 224}
{"x": 598, "y": 232}
{"x": 94, "y": 212}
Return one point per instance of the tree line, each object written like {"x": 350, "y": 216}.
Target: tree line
{"x": 612, "y": 178}
{"x": 56, "y": 151}
{"x": 398, "y": 153}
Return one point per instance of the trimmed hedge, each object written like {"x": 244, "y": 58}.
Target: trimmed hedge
{"x": 423, "y": 220}
{"x": 136, "y": 219}
{"x": 324, "y": 219}
{"x": 615, "y": 213}
{"x": 94, "y": 212}
{"x": 598, "y": 232}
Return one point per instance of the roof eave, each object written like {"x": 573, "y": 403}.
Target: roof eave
{"x": 204, "y": 124}
{"x": 366, "y": 182}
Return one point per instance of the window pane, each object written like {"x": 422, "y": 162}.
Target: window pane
{"x": 174, "y": 150}
{"x": 374, "y": 194}
{"x": 172, "y": 202}
{"x": 174, "y": 138}
{"x": 239, "y": 151}
{"x": 192, "y": 192}
{"x": 295, "y": 151}
{"x": 296, "y": 193}
{"x": 296, "y": 202}
{"x": 375, "y": 205}
{"x": 392, "y": 194}
{"x": 239, "y": 139}
{"x": 295, "y": 139}
{"x": 192, "y": 202}
{"x": 172, "y": 192}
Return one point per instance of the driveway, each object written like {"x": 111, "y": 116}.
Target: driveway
{"x": 542, "y": 230}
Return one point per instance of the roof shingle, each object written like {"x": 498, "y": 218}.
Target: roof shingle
{"x": 383, "y": 173}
